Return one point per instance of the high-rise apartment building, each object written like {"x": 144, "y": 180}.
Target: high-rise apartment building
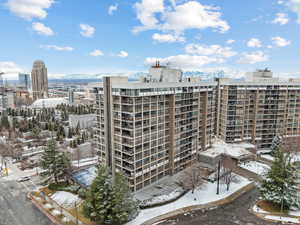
{"x": 39, "y": 77}
{"x": 158, "y": 126}
{"x": 24, "y": 80}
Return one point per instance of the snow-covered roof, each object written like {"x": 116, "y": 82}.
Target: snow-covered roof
{"x": 49, "y": 102}
{"x": 220, "y": 147}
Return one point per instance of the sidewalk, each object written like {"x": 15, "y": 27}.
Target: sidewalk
{"x": 276, "y": 217}
{"x": 203, "y": 206}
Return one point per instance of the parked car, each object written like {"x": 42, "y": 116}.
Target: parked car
{"x": 22, "y": 179}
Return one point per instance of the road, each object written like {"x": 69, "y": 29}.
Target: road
{"x": 235, "y": 213}
{"x": 15, "y": 208}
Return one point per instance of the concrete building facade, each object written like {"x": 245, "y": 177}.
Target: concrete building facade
{"x": 39, "y": 77}
{"x": 151, "y": 129}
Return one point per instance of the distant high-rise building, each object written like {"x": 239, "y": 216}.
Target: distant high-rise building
{"x": 24, "y": 80}
{"x": 39, "y": 76}
{"x": 71, "y": 96}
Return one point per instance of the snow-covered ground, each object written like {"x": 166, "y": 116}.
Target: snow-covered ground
{"x": 268, "y": 157}
{"x": 201, "y": 196}
{"x": 85, "y": 162}
{"x": 283, "y": 219}
{"x": 65, "y": 199}
{"x": 255, "y": 167}
{"x": 163, "y": 198}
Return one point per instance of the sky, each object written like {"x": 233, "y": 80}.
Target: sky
{"x": 115, "y": 36}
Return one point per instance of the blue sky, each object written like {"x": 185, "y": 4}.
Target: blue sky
{"x": 96, "y": 36}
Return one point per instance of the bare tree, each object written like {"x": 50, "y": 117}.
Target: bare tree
{"x": 227, "y": 167}
{"x": 192, "y": 177}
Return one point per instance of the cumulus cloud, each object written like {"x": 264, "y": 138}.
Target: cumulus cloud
{"x": 230, "y": 41}
{"x": 253, "y": 57}
{"x": 254, "y": 43}
{"x": 185, "y": 61}
{"x": 41, "y": 29}
{"x": 153, "y": 14}
{"x": 123, "y": 54}
{"x": 167, "y": 38}
{"x": 281, "y": 18}
{"x": 10, "y": 67}
{"x": 57, "y": 48}
{"x": 112, "y": 8}
{"x": 87, "y": 30}
{"x": 29, "y": 9}
{"x": 96, "y": 52}
{"x": 294, "y": 6}
{"x": 280, "y": 42}
{"x": 215, "y": 50}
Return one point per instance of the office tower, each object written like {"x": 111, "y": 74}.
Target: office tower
{"x": 71, "y": 96}
{"x": 24, "y": 80}
{"x": 159, "y": 125}
{"x": 39, "y": 76}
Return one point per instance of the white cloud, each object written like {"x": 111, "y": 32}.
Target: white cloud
{"x": 215, "y": 50}
{"x": 146, "y": 10}
{"x": 87, "y": 30}
{"x": 123, "y": 54}
{"x": 96, "y": 52}
{"x": 254, "y": 43}
{"x": 253, "y": 57}
{"x": 29, "y": 9}
{"x": 167, "y": 38}
{"x": 57, "y": 48}
{"x": 112, "y": 8}
{"x": 185, "y": 61}
{"x": 281, "y": 18}
{"x": 280, "y": 42}
{"x": 10, "y": 67}
{"x": 294, "y": 6}
{"x": 152, "y": 14}
{"x": 41, "y": 29}
{"x": 230, "y": 41}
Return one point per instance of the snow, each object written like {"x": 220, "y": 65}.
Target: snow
{"x": 268, "y": 157}
{"x": 296, "y": 157}
{"x": 283, "y": 219}
{"x": 48, "y": 206}
{"x": 294, "y": 213}
{"x": 204, "y": 195}
{"x": 258, "y": 209}
{"x": 65, "y": 220}
{"x": 236, "y": 151}
{"x": 65, "y": 199}
{"x": 255, "y": 167}
{"x": 85, "y": 162}
{"x": 55, "y": 212}
{"x": 163, "y": 198}
{"x": 49, "y": 102}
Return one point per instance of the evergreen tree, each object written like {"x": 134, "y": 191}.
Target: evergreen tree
{"x": 4, "y": 123}
{"x": 279, "y": 186}
{"x": 56, "y": 164}
{"x": 109, "y": 202}
{"x": 276, "y": 142}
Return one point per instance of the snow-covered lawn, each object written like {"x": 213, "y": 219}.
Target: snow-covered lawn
{"x": 283, "y": 219}
{"x": 255, "y": 167}
{"x": 65, "y": 199}
{"x": 204, "y": 195}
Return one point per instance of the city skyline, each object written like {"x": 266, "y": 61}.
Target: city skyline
{"x": 235, "y": 37}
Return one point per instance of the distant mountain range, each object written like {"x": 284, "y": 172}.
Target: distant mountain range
{"x": 133, "y": 76}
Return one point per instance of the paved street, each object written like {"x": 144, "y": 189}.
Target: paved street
{"x": 231, "y": 214}
{"x": 15, "y": 208}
